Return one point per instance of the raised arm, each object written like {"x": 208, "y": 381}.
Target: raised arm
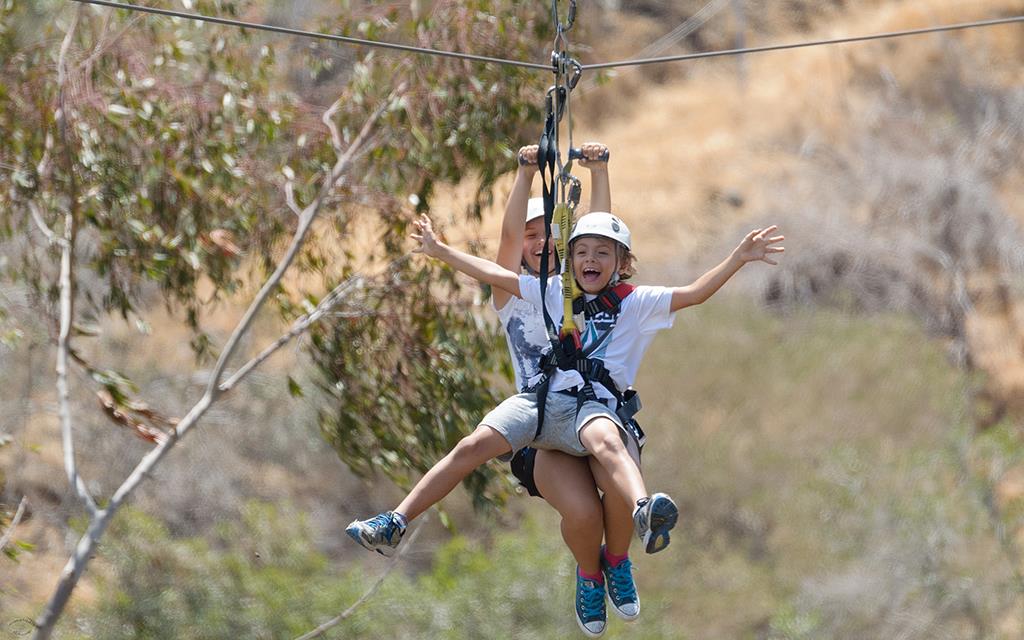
{"x": 510, "y": 249}
{"x": 757, "y": 245}
{"x": 479, "y": 268}
{"x": 600, "y": 191}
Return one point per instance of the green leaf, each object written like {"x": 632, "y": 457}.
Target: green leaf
{"x": 293, "y": 388}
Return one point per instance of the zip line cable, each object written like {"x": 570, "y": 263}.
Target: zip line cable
{"x": 548, "y": 67}
{"x": 318, "y": 35}
{"x": 800, "y": 45}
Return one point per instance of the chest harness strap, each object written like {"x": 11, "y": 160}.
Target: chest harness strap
{"x": 567, "y": 354}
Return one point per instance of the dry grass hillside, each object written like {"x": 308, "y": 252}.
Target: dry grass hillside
{"x": 872, "y": 157}
{"x": 706, "y": 151}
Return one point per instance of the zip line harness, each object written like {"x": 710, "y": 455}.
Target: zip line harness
{"x": 566, "y": 351}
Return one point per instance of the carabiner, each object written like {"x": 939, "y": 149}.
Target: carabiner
{"x": 554, "y": 105}
{"x": 577, "y": 71}
{"x": 570, "y": 18}
{"x": 575, "y": 187}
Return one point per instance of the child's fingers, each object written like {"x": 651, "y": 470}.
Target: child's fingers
{"x": 528, "y": 155}
{"x": 593, "y": 150}
{"x": 770, "y": 261}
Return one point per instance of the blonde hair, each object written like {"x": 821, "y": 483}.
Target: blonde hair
{"x": 627, "y": 262}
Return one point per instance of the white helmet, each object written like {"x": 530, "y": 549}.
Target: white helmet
{"x": 534, "y": 209}
{"x": 603, "y": 224}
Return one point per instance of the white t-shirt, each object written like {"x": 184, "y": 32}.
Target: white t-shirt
{"x": 642, "y": 314}
{"x": 527, "y": 339}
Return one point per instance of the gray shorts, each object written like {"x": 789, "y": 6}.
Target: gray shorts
{"x": 516, "y": 420}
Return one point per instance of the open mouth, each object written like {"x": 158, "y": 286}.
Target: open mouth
{"x": 590, "y": 275}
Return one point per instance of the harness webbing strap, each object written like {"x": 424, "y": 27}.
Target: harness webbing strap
{"x": 547, "y": 163}
{"x": 567, "y": 353}
{"x": 593, "y": 369}
{"x": 607, "y": 301}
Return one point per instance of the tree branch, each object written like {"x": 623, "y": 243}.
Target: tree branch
{"x": 14, "y": 523}
{"x": 333, "y": 622}
{"x": 328, "y": 120}
{"x": 297, "y": 328}
{"x": 303, "y": 323}
{"x": 37, "y": 217}
{"x": 289, "y": 197}
{"x": 76, "y": 564}
{"x": 67, "y": 288}
{"x": 101, "y": 46}
{"x": 335, "y": 176}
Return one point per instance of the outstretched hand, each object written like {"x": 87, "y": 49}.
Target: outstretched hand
{"x": 425, "y": 236}
{"x": 759, "y": 244}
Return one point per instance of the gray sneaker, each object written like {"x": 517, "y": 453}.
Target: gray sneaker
{"x": 653, "y": 519}
{"x": 381, "y": 533}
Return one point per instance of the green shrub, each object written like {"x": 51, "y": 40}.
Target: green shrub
{"x": 263, "y": 578}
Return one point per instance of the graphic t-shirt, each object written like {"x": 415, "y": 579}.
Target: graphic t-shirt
{"x": 642, "y": 314}
{"x": 526, "y": 337}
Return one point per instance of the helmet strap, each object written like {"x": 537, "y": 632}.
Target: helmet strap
{"x": 615, "y": 276}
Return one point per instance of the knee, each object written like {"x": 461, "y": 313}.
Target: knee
{"x": 473, "y": 447}
{"x": 466, "y": 448}
{"x": 584, "y": 516}
{"x": 603, "y": 440}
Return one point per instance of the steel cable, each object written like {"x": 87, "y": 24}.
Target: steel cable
{"x": 318, "y": 35}
{"x": 812, "y": 43}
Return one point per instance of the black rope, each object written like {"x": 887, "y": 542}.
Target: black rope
{"x": 799, "y": 45}
{"x": 318, "y": 35}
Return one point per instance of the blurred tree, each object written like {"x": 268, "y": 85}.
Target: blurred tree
{"x": 179, "y": 138}
{"x": 401, "y": 384}
{"x": 147, "y": 157}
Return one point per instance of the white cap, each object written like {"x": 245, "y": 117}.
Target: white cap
{"x": 534, "y": 209}
{"x": 603, "y": 224}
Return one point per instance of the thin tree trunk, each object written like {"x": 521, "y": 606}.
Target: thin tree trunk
{"x": 100, "y": 519}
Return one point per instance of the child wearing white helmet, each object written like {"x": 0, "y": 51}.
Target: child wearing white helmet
{"x": 600, "y": 250}
{"x": 566, "y": 482}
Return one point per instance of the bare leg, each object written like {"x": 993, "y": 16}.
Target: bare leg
{"x": 566, "y": 483}
{"x": 471, "y": 452}
{"x": 602, "y": 439}
{"x": 618, "y": 513}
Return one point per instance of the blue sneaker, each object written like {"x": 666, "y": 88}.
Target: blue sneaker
{"x": 621, "y": 588}
{"x": 653, "y": 519}
{"x": 590, "y": 612}
{"x": 381, "y": 533}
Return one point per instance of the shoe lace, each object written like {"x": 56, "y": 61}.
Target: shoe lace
{"x": 383, "y": 521}
{"x": 590, "y": 597}
{"x": 620, "y": 580}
